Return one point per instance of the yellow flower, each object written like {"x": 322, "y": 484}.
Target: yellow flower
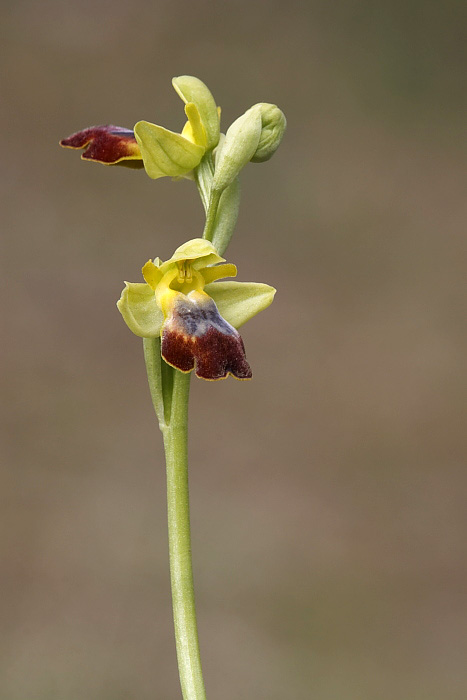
{"x": 196, "y": 317}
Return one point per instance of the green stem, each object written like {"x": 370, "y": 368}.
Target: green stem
{"x": 174, "y": 426}
{"x": 212, "y": 213}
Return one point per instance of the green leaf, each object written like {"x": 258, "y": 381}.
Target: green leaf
{"x": 164, "y": 152}
{"x": 139, "y": 309}
{"x": 239, "y": 301}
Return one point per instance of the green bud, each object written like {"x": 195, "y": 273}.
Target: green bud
{"x": 192, "y": 89}
{"x": 238, "y": 148}
{"x": 273, "y": 123}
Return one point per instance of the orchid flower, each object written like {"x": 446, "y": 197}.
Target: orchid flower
{"x": 196, "y": 317}
{"x": 160, "y": 151}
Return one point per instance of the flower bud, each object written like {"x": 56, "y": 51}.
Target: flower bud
{"x": 240, "y": 144}
{"x": 273, "y": 125}
{"x": 192, "y": 89}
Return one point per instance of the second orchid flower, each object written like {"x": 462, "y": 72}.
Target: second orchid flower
{"x": 164, "y": 153}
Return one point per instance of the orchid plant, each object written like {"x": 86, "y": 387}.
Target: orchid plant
{"x": 188, "y": 319}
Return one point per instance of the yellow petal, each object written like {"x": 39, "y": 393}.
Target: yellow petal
{"x": 197, "y": 129}
{"x": 192, "y": 89}
{"x": 152, "y": 274}
{"x": 218, "y": 272}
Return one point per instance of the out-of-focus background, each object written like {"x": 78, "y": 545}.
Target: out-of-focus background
{"x": 328, "y": 495}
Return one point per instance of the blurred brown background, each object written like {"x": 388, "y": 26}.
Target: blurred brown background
{"x": 328, "y": 495}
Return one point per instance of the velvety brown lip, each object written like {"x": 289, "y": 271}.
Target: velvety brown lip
{"x": 107, "y": 144}
{"x": 196, "y": 336}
